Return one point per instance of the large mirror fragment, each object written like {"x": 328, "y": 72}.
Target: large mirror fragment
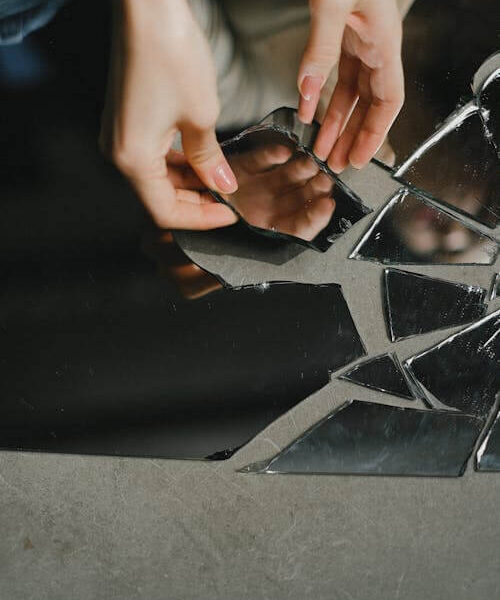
{"x": 460, "y": 169}
{"x": 284, "y": 192}
{"x": 488, "y": 455}
{"x": 382, "y": 373}
{"x": 416, "y": 304}
{"x": 411, "y": 230}
{"x": 362, "y": 438}
{"x": 463, "y": 371}
{"x": 145, "y": 376}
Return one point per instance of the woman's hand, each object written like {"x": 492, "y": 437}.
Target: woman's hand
{"x": 364, "y": 37}
{"x": 162, "y": 81}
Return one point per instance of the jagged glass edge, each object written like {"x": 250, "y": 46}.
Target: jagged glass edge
{"x": 295, "y": 133}
{"x": 400, "y": 194}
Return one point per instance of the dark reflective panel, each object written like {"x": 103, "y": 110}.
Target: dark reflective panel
{"x": 410, "y": 230}
{"x": 283, "y": 191}
{"x": 416, "y": 303}
{"x": 373, "y": 439}
{"x": 380, "y": 373}
{"x": 110, "y": 361}
{"x": 488, "y": 455}
{"x": 495, "y": 287}
{"x": 463, "y": 371}
{"x": 460, "y": 169}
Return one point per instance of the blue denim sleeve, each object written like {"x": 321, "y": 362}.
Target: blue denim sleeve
{"x": 18, "y": 18}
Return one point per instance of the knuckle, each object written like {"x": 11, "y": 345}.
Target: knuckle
{"x": 127, "y": 159}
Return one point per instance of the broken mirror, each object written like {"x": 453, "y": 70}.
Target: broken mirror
{"x": 283, "y": 190}
{"x": 412, "y": 230}
{"x": 495, "y": 287}
{"x": 462, "y": 371}
{"x": 416, "y": 304}
{"x": 382, "y": 373}
{"x": 99, "y": 364}
{"x": 459, "y": 167}
{"x": 488, "y": 455}
{"x": 486, "y": 86}
{"x": 362, "y": 438}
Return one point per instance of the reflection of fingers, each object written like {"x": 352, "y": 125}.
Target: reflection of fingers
{"x": 293, "y": 172}
{"x": 309, "y": 220}
{"x": 261, "y": 159}
{"x": 340, "y": 107}
{"x": 181, "y": 209}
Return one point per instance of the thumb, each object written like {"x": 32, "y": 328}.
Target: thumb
{"x": 322, "y": 51}
{"x": 205, "y": 156}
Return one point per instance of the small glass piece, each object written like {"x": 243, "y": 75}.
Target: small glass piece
{"x": 486, "y": 86}
{"x": 363, "y": 438}
{"x": 495, "y": 287}
{"x": 488, "y": 455}
{"x": 412, "y": 230}
{"x": 460, "y": 169}
{"x": 284, "y": 191}
{"x": 416, "y": 304}
{"x": 382, "y": 373}
{"x": 463, "y": 371}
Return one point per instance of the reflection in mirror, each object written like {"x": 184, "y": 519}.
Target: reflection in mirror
{"x": 495, "y": 287}
{"x": 363, "y": 438}
{"x": 488, "y": 454}
{"x": 463, "y": 371}
{"x": 117, "y": 364}
{"x": 416, "y": 304}
{"x": 461, "y": 169}
{"x": 411, "y": 230}
{"x": 381, "y": 373}
{"x": 284, "y": 192}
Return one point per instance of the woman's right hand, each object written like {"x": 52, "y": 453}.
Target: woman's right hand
{"x": 162, "y": 80}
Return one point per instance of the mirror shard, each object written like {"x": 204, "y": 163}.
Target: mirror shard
{"x": 415, "y": 303}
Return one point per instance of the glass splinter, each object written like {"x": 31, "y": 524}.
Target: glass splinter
{"x": 463, "y": 371}
{"x": 461, "y": 170}
{"x": 411, "y": 230}
{"x": 190, "y": 379}
{"x": 284, "y": 191}
{"x": 364, "y": 438}
{"x": 416, "y": 304}
{"x": 381, "y": 373}
{"x": 495, "y": 287}
{"x": 488, "y": 455}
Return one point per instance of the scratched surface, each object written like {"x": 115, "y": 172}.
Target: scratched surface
{"x": 129, "y": 529}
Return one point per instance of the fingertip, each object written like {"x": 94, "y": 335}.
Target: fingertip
{"x": 224, "y": 178}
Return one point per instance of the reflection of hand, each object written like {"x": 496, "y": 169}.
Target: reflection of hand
{"x": 162, "y": 81}
{"x": 281, "y": 192}
{"x": 364, "y": 37}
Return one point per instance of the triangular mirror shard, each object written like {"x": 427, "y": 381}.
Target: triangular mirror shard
{"x": 463, "y": 371}
{"x": 381, "y": 373}
{"x": 460, "y": 168}
{"x": 488, "y": 455}
{"x": 362, "y": 438}
{"x": 416, "y": 304}
{"x": 411, "y": 230}
{"x": 495, "y": 287}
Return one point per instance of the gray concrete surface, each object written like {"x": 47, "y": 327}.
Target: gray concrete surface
{"x": 95, "y": 528}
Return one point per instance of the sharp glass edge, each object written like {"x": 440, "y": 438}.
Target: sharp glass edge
{"x": 400, "y": 195}
{"x": 492, "y": 422}
{"x": 387, "y": 306}
{"x": 495, "y": 284}
{"x": 411, "y": 386}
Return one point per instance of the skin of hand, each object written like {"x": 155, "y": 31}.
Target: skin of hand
{"x": 364, "y": 38}
{"x": 162, "y": 81}
{"x": 281, "y": 191}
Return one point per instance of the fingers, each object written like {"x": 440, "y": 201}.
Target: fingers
{"x": 205, "y": 156}
{"x": 181, "y": 209}
{"x": 341, "y": 105}
{"x": 264, "y": 158}
{"x": 321, "y": 53}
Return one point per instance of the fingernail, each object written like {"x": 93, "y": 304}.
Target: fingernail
{"x": 311, "y": 86}
{"x": 225, "y": 179}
